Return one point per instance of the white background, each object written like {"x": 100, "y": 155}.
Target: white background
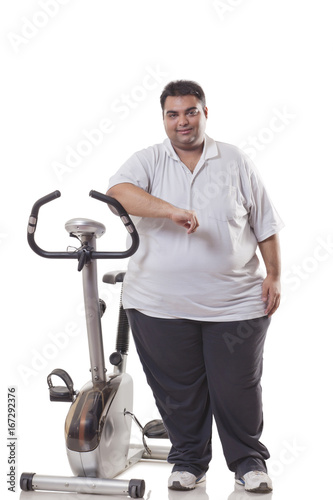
{"x": 68, "y": 66}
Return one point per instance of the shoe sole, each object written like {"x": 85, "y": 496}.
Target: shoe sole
{"x": 262, "y": 488}
{"x": 177, "y": 486}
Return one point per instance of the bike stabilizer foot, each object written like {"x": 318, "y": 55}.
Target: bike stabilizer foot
{"x": 135, "y": 488}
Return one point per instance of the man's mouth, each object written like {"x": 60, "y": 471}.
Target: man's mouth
{"x": 184, "y": 131}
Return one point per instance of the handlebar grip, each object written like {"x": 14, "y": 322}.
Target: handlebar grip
{"x": 119, "y": 209}
{"x": 43, "y": 201}
{"x": 126, "y": 220}
{"x": 32, "y": 224}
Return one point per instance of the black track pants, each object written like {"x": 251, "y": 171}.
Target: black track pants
{"x": 197, "y": 370}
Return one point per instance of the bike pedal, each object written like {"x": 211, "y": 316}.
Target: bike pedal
{"x": 155, "y": 430}
{"x": 61, "y": 393}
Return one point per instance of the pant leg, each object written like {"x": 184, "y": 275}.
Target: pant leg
{"x": 233, "y": 354}
{"x": 171, "y": 355}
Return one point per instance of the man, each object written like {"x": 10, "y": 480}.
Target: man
{"x": 198, "y": 303}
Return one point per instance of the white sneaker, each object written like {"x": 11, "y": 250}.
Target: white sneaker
{"x": 256, "y": 481}
{"x": 180, "y": 480}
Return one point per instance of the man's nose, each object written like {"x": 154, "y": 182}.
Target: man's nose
{"x": 182, "y": 120}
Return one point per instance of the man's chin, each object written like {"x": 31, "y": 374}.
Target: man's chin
{"x": 192, "y": 142}
{"x": 186, "y": 139}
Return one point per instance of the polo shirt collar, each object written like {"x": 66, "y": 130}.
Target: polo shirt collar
{"x": 210, "y": 148}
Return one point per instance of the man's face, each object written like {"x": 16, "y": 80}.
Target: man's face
{"x": 184, "y": 121}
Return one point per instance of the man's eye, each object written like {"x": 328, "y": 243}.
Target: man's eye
{"x": 193, "y": 112}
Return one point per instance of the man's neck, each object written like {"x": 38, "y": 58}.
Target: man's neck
{"x": 189, "y": 157}
{"x": 189, "y": 150}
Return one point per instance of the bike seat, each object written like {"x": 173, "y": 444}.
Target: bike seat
{"x": 113, "y": 277}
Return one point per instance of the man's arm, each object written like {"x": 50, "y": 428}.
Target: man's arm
{"x": 271, "y": 288}
{"x": 137, "y": 202}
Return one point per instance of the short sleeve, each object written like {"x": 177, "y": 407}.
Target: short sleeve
{"x": 136, "y": 170}
{"x": 263, "y": 216}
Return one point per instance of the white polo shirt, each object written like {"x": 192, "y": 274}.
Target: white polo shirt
{"x": 212, "y": 274}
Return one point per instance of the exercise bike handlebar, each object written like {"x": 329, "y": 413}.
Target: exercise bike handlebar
{"x": 117, "y": 209}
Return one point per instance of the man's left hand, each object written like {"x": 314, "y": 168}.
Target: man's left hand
{"x": 271, "y": 294}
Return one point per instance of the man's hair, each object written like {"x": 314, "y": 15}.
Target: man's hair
{"x": 183, "y": 87}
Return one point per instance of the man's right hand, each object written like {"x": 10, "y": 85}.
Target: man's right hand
{"x": 138, "y": 202}
{"x": 186, "y": 218}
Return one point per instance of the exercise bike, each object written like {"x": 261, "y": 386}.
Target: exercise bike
{"x": 98, "y": 424}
